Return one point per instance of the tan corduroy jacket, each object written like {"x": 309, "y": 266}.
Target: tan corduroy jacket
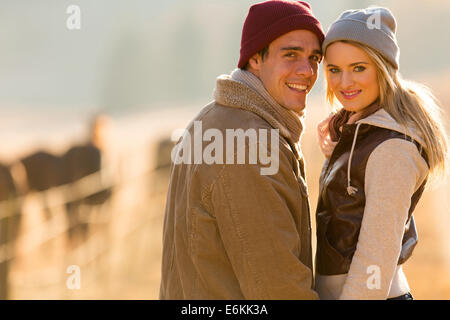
{"x": 229, "y": 231}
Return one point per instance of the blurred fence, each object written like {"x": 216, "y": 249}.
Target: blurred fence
{"x": 42, "y": 244}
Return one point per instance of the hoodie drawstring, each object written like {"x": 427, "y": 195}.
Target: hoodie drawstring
{"x": 352, "y": 190}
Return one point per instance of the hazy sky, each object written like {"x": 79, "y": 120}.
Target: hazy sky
{"x": 138, "y": 53}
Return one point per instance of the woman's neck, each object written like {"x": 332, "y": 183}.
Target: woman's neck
{"x": 367, "y": 111}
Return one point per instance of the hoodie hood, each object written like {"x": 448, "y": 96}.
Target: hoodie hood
{"x": 384, "y": 120}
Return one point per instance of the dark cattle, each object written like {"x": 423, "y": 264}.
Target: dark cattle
{"x": 43, "y": 171}
{"x": 81, "y": 161}
{"x": 9, "y": 222}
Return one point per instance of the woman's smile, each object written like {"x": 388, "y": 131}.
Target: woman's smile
{"x": 349, "y": 95}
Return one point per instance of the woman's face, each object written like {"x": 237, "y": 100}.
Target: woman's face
{"x": 351, "y": 75}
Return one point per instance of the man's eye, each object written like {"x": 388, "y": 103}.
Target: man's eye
{"x": 359, "y": 68}
{"x": 315, "y": 58}
{"x": 291, "y": 54}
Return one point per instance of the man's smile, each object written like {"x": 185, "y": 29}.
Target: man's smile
{"x": 303, "y": 88}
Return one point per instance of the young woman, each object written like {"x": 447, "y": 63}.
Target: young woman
{"x": 382, "y": 148}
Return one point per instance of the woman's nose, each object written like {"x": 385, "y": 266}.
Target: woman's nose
{"x": 346, "y": 80}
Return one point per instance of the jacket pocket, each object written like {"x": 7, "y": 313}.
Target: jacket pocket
{"x": 329, "y": 259}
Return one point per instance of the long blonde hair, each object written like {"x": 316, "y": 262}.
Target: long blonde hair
{"x": 410, "y": 104}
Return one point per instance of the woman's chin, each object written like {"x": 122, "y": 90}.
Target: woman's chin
{"x": 351, "y": 107}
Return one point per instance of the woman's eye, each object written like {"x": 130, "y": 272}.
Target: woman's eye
{"x": 359, "y": 68}
{"x": 333, "y": 70}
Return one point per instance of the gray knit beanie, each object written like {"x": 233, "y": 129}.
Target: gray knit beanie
{"x": 374, "y": 27}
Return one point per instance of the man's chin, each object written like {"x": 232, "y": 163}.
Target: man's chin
{"x": 297, "y": 107}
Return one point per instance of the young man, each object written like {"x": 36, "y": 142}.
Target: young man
{"x": 237, "y": 227}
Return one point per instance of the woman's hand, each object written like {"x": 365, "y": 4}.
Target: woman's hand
{"x": 324, "y": 139}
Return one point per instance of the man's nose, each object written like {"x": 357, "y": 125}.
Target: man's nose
{"x": 304, "y": 68}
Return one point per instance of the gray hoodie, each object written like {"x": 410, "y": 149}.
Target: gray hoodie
{"x": 394, "y": 171}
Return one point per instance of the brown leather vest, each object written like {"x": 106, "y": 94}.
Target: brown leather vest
{"x": 339, "y": 215}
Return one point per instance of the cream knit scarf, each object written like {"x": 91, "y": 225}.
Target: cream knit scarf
{"x": 242, "y": 89}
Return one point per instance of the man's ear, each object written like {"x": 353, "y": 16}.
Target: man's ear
{"x": 255, "y": 62}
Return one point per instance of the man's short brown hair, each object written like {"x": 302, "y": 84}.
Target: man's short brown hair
{"x": 264, "y": 52}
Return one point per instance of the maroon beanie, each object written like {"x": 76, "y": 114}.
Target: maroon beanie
{"x": 266, "y": 21}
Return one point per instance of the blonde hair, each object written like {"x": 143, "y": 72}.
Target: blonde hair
{"x": 410, "y": 104}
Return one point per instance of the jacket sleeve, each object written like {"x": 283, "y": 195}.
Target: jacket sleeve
{"x": 257, "y": 216}
{"x": 394, "y": 171}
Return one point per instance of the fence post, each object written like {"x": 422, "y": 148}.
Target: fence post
{"x": 4, "y": 263}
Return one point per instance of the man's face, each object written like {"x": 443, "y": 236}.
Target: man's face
{"x": 289, "y": 71}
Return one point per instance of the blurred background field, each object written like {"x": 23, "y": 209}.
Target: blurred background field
{"x": 150, "y": 66}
